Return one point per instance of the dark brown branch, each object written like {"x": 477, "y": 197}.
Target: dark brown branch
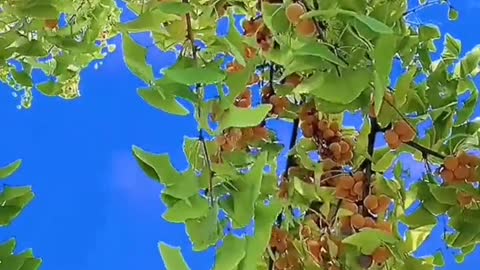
{"x": 426, "y": 151}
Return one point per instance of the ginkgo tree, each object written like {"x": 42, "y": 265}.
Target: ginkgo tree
{"x": 342, "y": 201}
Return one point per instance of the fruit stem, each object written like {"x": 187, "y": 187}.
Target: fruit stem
{"x": 199, "y": 90}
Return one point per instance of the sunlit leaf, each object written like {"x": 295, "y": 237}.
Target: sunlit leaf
{"x": 172, "y": 257}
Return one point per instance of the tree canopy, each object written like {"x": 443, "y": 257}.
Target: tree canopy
{"x": 342, "y": 201}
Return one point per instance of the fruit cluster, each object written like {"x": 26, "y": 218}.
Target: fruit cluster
{"x": 321, "y": 251}
{"x": 256, "y": 28}
{"x": 460, "y": 169}
{"x": 239, "y": 138}
{"x": 327, "y": 135}
{"x": 279, "y": 104}
{"x": 303, "y": 27}
{"x": 401, "y": 132}
{"x": 289, "y": 258}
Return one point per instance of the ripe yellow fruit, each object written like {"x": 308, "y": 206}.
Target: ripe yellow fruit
{"x": 294, "y": 11}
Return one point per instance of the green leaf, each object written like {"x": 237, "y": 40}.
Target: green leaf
{"x": 195, "y": 75}
{"x": 244, "y": 117}
{"x": 177, "y": 8}
{"x": 319, "y": 50}
{"x": 162, "y": 101}
{"x": 205, "y": 232}
{"x": 372, "y": 23}
{"x": 383, "y": 159}
{"x": 452, "y": 14}
{"x": 230, "y": 254}
{"x": 172, "y": 257}
{"x": 331, "y": 87}
{"x": 265, "y": 216}
{"x": 237, "y": 83}
{"x": 190, "y": 208}
{"x": 468, "y": 109}
{"x": 163, "y": 170}
{"x": 275, "y": 18}
{"x": 22, "y": 78}
{"x": 7, "y": 248}
{"x": 452, "y": 47}
{"x": 416, "y": 237}
{"x": 368, "y": 240}
{"x": 135, "y": 57}
{"x": 445, "y": 195}
{"x": 404, "y": 86}
{"x": 10, "y": 169}
{"x": 181, "y": 186}
{"x": 422, "y": 217}
{"x": 194, "y": 151}
{"x": 428, "y": 32}
{"x": 149, "y": 21}
{"x": 12, "y": 203}
{"x": 234, "y": 42}
{"x": 248, "y": 191}
{"x": 384, "y": 51}
{"x": 39, "y": 10}
{"x": 439, "y": 260}
{"x": 469, "y": 64}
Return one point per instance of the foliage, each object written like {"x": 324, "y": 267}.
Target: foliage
{"x": 13, "y": 201}
{"x": 309, "y": 63}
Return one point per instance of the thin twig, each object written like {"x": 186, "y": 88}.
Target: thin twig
{"x": 200, "y": 93}
{"x": 420, "y": 7}
{"x": 425, "y": 151}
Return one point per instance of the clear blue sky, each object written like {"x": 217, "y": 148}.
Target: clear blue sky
{"x": 95, "y": 209}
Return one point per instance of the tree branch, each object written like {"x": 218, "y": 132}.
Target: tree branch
{"x": 425, "y": 151}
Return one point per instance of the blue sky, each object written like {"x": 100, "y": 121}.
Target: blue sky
{"x": 95, "y": 209}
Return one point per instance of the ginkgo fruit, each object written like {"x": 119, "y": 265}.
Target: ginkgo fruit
{"x": 358, "y": 188}
{"x": 370, "y": 202}
{"x": 381, "y": 255}
{"x": 344, "y": 147}
{"x": 346, "y": 182}
{"x": 450, "y": 163}
{"x": 294, "y": 11}
{"x": 293, "y": 80}
{"x": 306, "y": 28}
{"x": 404, "y": 131}
{"x": 447, "y": 175}
{"x": 384, "y": 202}
{"x": 461, "y": 172}
{"x": 357, "y": 221}
{"x": 335, "y": 148}
{"x": 350, "y": 206}
{"x": 392, "y": 139}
